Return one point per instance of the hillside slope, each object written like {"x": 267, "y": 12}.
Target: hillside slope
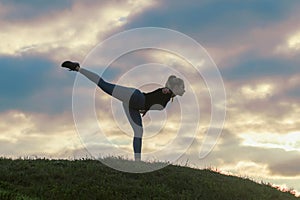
{"x": 90, "y": 179}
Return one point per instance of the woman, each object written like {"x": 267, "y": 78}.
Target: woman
{"x": 134, "y": 101}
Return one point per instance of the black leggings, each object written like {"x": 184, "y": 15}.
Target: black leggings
{"x": 133, "y": 101}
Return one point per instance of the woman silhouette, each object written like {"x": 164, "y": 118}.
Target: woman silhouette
{"x": 134, "y": 101}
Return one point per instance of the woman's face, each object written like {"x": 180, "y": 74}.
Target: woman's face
{"x": 178, "y": 90}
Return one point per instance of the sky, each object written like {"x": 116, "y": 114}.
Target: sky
{"x": 255, "y": 46}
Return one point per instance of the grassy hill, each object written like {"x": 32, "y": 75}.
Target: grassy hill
{"x": 90, "y": 179}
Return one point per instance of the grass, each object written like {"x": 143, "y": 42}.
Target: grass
{"x": 90, "y": 179}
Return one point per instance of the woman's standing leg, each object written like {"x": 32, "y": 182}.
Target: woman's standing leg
{"x": 135, "y": 120}
{"x": 132, "y": 99}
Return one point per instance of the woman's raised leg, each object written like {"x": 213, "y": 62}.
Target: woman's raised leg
{"x": 131, "y": 96}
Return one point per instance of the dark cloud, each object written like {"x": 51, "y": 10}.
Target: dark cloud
{"x": 270, "y": 109}
{"x": 33, "y": 84}
{"x": 23, "y": 10}
{"x": 253, "y": 66}
{"x": 293, "y": 92}
{"x": 22, "y": 76}
{"x": 213, "y": 20}
{"x": 286, "y": 167}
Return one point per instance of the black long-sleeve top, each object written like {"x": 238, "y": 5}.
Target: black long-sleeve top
{"x": 156, "y": 100}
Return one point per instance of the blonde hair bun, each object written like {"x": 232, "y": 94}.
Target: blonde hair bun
{"x": 172, "y": 81}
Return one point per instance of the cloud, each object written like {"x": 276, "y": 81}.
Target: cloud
{"x": 288, "y": 141}
{"x": 289, "y": 47}
{"x": 259, "y": 91}
{"x": 259, "y": 42}
{"x": 36, "y": 134}
{"x": 231, "y": 155}
{"x": 294, "y": 41}
{"x": 286, "y": 167}
{"x": 67, "y": 32}
{"x": 263, "y": 104}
